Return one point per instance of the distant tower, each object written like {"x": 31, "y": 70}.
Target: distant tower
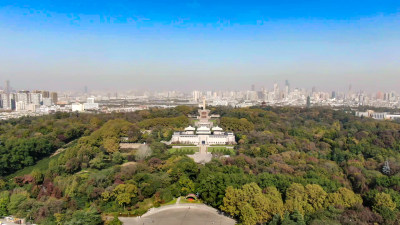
{"x": 276, "y": 91}
{"x": 349, "y": 93}
{"x": 287, "y": 88}
{"x": 253, "y": 87}
{"x": 287, "y": 85}
{"x": 54, "y": 97}
{"x": 85, "y": 89}
{"x": 6, "y": 100}
{"x": 196, "y": 95}
{"x": 7, "y": 87}
{"x": 308, "y": 102}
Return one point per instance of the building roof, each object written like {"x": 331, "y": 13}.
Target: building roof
{"x": 203, "y": 128}
{"x": 190, "y": 128}
{"x": 217, "y": 128}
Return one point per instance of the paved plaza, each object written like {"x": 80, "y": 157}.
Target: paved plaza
{"x": 182, "y": 214}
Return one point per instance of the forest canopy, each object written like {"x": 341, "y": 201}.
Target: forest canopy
{"x": 290, "y": 166}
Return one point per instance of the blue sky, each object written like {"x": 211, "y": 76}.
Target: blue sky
{"x": 200, "y": 44}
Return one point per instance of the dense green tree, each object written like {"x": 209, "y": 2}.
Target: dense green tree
{"x": 4, "y": 202}
{"x": 247, "y": 214}
{"x": 85, "y": 217}
{"x": 296, "y": 198}
{"x": 320, "y": 160}
{"x": 115, "y": 221}
{"x": 344, "y": 197}
{"x": 16, "y": 199}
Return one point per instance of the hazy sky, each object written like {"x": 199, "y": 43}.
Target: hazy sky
{"x": 122, "y": 45}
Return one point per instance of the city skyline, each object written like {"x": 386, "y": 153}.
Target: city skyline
{"x": 260, "y": 87}
{"x": 169, "y": 45}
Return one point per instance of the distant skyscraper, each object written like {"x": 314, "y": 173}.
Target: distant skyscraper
{"x": 54, "y": 97}
{"x": 45, "y": 94}
{"x": 287, "y": 84}
{"x": 287, "y": 88}
{"x": 6, "y": 100}
{"x": 275, "y": 87}
{"x": 253, "y": 87}
{"x": 47, "y": 102}
{"x": 36, "y": 98}
{"x": 276, "y": 91}
{"x": 7, "y": 87}
{"x": 85, "y": 89}
{"x": 314, "y": 89}
{"x": 23, "y": 96}
{"x": 196, "y": 95}
{"x": 379, "y": 95}
{"x": 333, "y": 94}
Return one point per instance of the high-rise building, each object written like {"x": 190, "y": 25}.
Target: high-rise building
{"x": 253, "y": 87}
{"x": 20, "y": 106}
{"x": 6, "y": 101}
{"x": 333, "y": 95}
{"x": 45, "y": 94}
{"x": 287, "y": 88}
{"x": 276, "y": 91}
{"x": 7, "y": 87}
{"x": 196, "y": 96}
{"x": 54, "y": 97}
{"x": 12, "y": 99}
{"x": 379, "y": 95}
{"x": 36, "y": 98}
{"x": 23, "y": 96}
{"x": 47, "y": 102}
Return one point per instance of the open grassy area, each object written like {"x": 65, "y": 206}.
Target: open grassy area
{"x": 42, "y": 165}
{"x": 183, "y": 150}
{"x": 175, "y": 144}
{"x": 222, "y": 145}
{"x": 222, "y": 150}
{"x": 171, "y": 202}
{"x": 143, "y": 208}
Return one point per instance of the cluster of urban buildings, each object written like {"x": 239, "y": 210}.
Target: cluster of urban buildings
{"x": 15, "y": 104}
{"x": 378, "y": 115}
{"x": 25, "y": 100}
{"x": 288, "y": 96}
{"x": 21, "y": 103}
